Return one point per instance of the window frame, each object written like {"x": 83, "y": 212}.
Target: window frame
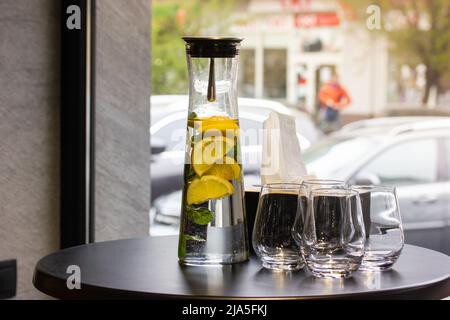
{"x": 77, "y": 111}
{"x": 265, "y": 88}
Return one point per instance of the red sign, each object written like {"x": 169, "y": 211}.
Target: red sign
{"x": 295, "y": 4}
{"x": 319, "y": 19}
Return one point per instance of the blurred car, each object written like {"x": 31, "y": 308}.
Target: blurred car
{"x": 168, "y": 140}
{"x": 412, "y": 153}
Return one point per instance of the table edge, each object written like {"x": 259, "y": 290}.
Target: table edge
{"x": 41, "y": 281}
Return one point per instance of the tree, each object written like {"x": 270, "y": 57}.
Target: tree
{"x": 419, "y": 31}
{"x": 173, "y": 19}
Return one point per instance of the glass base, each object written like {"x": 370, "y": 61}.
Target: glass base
{"x": 277, "y": 266}
{"x": 332, "y": 270}
{"x": 378, "y": 264}
{"x": 279, "y": 263}
{"x": 335, "y": 274}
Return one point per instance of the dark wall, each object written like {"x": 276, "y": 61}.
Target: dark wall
{"x": 29, "y": 133}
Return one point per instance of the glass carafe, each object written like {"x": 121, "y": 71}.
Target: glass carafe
{"x": 213, "y": 222}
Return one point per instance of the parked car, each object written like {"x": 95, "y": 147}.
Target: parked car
{"x": 168, "y": 139}
{"x": 410, "y": 153}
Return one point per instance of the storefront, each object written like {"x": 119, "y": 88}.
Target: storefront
{"x": 292, "y": 47}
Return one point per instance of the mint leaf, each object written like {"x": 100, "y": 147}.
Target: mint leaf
{"x": 201, "y": 216}
{"x": 190, "y": 174}
{"x": 192, "y": 115}
{"x": 182, "y": 246}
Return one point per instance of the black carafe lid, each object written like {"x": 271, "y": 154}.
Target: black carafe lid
{"x": 212, "y": 47}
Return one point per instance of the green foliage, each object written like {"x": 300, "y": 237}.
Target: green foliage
{"x": 201, "y": 216}
{"x": 173, "y": 19}
{"x": 183, "y": 241}
{"x": 168, "y": 63}
{"x": 190, "y": 174}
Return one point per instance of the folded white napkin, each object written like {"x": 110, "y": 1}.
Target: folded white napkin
{"x": 282, "y": 159}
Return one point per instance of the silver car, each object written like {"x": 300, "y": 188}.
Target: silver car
{"x": 412, "y": 153}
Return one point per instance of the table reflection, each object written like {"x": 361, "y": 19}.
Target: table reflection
{"x": 217, "y": 280}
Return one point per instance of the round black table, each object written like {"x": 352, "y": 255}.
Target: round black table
{"x": 148, "y": 268}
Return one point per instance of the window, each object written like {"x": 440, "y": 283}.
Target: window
{"x": 275, "y": 73}
{"x": 246, "y": 85}
{"x": 172, "y": 134}
{"x": 412, "y": 162}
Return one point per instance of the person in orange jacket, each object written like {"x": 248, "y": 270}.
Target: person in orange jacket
{"x": 332, "y": 98}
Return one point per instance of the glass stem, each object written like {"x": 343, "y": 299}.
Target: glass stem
{"x": 211, "y": 82}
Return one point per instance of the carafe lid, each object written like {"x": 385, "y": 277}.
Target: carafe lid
{"x": 212, "y": 47}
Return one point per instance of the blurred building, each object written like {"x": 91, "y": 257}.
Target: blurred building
{"x": 292, "y": 46}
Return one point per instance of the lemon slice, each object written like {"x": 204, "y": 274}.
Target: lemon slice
{"x": 220, "y": 123}
{"x": 208, "y": 151}
{"x": 200, "y": 168}
{"x": 207, "y": 188}
{"x": 228, "y": 170}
